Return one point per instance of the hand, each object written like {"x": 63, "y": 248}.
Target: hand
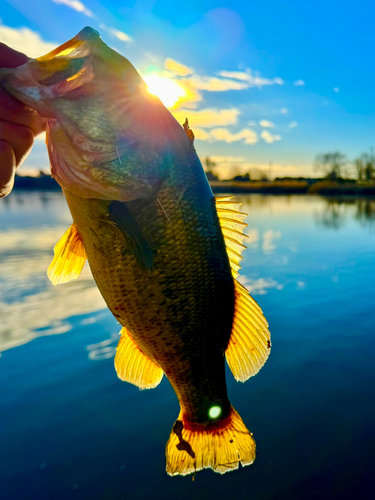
{"x": 18, "y": 125}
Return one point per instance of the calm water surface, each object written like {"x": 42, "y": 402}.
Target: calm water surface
{"x": 69, "y": 429}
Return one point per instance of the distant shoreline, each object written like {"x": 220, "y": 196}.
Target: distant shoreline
{"x": 278, "y": 187}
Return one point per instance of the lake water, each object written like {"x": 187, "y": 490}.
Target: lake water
{"x": 70, "y": 429}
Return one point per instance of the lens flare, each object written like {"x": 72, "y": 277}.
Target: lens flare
{"x": 214, "y": 411}
{"x": 168, "y": 91}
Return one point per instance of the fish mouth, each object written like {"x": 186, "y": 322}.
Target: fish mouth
{"x": 37, "y": 82}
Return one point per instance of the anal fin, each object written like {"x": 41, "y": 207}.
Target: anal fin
{"x": 135, "y": 367}
{"x": 69, "y": 259}
{"x": 250, "y": 341}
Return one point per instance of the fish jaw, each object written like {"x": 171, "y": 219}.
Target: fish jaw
{"x": 38, "y": 82}
{"x": 20, "y": 83}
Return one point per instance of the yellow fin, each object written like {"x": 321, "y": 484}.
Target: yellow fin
{"x": 250, "y": 340}
{"x": 133, "y": 366}
{"x": 220, "y": 447}
{"x": 69, "y": 259}
{"x": 232, "y": 226}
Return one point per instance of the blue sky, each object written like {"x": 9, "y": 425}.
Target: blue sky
{"x": 264, "y": 82}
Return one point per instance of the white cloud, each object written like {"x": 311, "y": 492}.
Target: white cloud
{"x": 252, "y": 123}
{"x": 207, "y": 118}
{"x": 213, "y": 84}
{"x": 268, "y": 137}
{"x": 124, "y": 37}
{"x": 293, "y": 125}
{"x": 75, "y": 5}
{"x": 115, "y": 33}
{"x": 25, "y": 40}
{"x": 253, "y": 80}
{"x": 283, "y": 111}
{"x": 177, "y": 68}
{"x": 223, "y": 134}
{"x": 266, "y": 124}
{"x": 299, "y": 83}
{"x": 336, "y": 89}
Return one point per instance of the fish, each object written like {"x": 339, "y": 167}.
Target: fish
{"x": 163, "y": 251}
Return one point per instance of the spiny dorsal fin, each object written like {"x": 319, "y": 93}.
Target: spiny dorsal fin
{"x": 69, "y": 259}
{"x": 135, "y": 367}
{"x": 250, "y": 340}
{"x": 232, "y": 226}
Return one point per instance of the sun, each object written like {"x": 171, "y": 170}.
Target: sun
{"x": 168, "y": 91}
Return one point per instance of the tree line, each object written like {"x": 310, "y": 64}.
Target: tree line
{"x": 336, "y": 166}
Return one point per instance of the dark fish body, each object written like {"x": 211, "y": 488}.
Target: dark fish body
{"x": 179, "y": 312}
{"x": 162, "y": 251}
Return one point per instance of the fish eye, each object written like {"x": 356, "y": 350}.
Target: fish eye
{"x": 214, "y": 411}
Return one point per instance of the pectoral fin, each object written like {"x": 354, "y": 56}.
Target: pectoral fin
{"x": 69, "y": 259}
{"x": 129, "y": 231}
{"x": 250, "y": 341}
{"x": 133, "y": 366}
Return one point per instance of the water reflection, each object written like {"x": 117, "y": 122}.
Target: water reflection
{"x": 105, "y": 349}
{"x": 30, "y": 306}
{"x": 337, "y": 211}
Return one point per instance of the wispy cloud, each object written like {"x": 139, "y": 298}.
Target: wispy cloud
{"x": 336, "y": 89}
{"x": 268, "y": 137}
{"x": 223, "y": 134}
{"x": 266, "y": 124}
{"x": 177, "y": 68}
{"x": 75, "y": 5}
{"x": 123, "y": 37}
{"x": 25, "y": 40}
{"x": 299, "y": 83}
{"x": 115, "y": 33}
{"x": 283, "y": 111}
{"x": 213, "y": 84}
{"x": 207, "y": 118}
{"x": 293, "y": 125}
{"x": 252, "y": 79}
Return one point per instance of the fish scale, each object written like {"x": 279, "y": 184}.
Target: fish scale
{"x": 155, "y": 307}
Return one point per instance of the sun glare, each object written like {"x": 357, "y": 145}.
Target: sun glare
{"x": 168, "y": 91}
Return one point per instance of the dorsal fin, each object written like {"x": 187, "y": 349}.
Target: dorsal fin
{"x": 232, "y": 226}
{"x": 135, "y": 367}
{"x": 250, "y": 341}
{"x": 69, "y": 259}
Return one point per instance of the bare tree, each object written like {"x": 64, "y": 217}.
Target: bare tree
{"x": 210, "y": 169}
{"x": 365, "y": 166}
{"x": 331, "y": 164}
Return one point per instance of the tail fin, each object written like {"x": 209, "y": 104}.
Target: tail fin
{"x": 221, "y": 447}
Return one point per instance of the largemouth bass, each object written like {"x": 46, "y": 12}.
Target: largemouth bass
{"x": 163, "y": 252}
